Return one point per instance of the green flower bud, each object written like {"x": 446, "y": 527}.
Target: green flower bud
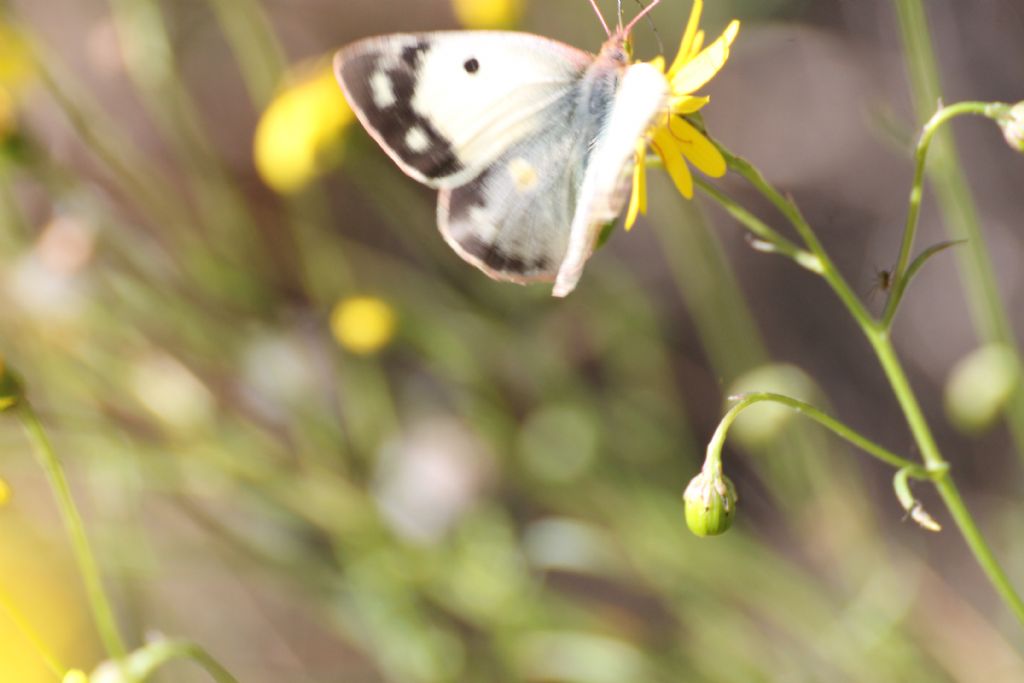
{"x": 1013, "y": 126}
{"x": 710, "y": 503}
{"x": 10, "y": 388}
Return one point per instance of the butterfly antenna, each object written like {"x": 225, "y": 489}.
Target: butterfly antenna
{"x": 643, "y": 13}
{"x": 619, "y": 3}
{"x": 654, "y": 28}
{"x": 604, "y": 24}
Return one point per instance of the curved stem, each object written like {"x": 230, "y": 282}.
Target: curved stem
{"x": 145, "y": 661}
{"x": 102, "y": 612}
{"x": 878, "y": 336}
{"x": 835, "y": 426}
{"x": 773, "y": 242}
{"x": 900, "y": 274}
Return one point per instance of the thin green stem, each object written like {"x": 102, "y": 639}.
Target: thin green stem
{"x": 943, "y": 481}
{"x": 789, "y": 209}
{"x": 934, "y": 124}
{"x": 773, "y": 241}
{"x": 985, "y": 301}
{"x": 145, "y": 661}
{"x": 102, "y": 612}
{"x": 835, "y": 426}
{"x": 880, "y": 341}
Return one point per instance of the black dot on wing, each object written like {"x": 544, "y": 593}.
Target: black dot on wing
{"x": 472, "y": 65}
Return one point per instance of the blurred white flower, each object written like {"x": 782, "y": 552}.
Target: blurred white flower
{"x": 171, "y": 392}
{"x": 48, "y": 281}
{"x": 278, "y": 371}
{"x": 427, "y": 479}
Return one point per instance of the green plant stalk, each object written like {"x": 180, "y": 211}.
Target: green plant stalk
{"x": 835, "y": 426}
{"x": 900, "y": 275}
{"x": 942, "y": 479}
{"x": 988, "y": 312}
{"x": 880, "y": 341}
{"x": 259, "y": 56}
{"x": 102, "y": 612}
{"x": 52, "y": 663}
{"x": 145, "y": 661}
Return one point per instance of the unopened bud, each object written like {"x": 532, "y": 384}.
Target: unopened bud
{"x": 1013, "y": 126}
{"x": 710, "y": 503}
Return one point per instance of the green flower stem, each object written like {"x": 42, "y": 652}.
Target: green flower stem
{"x": 935, "y": 463}
{"x": 145, "y": 661}
{"x": 985, "y": 302}
{"x": 102, "y": 612}
{"x": 789, "y": 209}
{"x": 258, "y": 54}
{"x": 52, "y": 663}
{"x": 838, "y": 428}
{"x": 900, "y": 276}
{"x": 878, "y": 336}
{"x": 773, "y": 241}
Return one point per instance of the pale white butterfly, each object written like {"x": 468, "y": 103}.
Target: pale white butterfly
{"x": 530, "y": 141}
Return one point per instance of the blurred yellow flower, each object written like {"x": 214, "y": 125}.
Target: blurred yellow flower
{"x": 15, "y": 70}
{"x": 43, "y": 617}
{"x": 484, "y": 14}
{"x": 5, "y": 492}
{"x": 75, "y": 676}
{"x": 299, "y": 135}
{"x": 363, "y": 324}
{"x": 15, "y": 59}
{"x": 675, "y": 139}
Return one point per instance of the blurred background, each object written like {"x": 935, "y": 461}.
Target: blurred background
{"x": 309, "y": 437}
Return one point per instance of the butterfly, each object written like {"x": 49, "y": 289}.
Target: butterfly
{"x": 529, "y": 141}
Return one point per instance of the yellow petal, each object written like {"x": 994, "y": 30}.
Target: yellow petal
{"x": 658, "y": 63}
{"x": 687, "y": 104}
{"x": 704, "y": 66}
{"x": 688, "y": 35}
{"x": 697, "y": 149}
{"x": 638, "y": 200}
{"x": 669, "y": 150}
{"x": 698, "y": 43}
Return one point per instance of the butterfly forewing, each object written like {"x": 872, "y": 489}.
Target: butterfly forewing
{"x": 444, "y": 105}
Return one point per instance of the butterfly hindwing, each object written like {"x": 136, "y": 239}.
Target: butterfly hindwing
{"x": 512, "y": 221}
{"x": 444, "y": 105}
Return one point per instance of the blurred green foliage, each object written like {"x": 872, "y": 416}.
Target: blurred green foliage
{"x": 494, "y": 495}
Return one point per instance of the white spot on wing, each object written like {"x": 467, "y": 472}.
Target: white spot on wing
{"x": 416, "y": 140}
{"x": 482, "y": 225}
{"x": 383, "y": 92}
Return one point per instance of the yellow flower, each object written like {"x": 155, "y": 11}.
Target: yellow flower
{"x": 363, "y": 324}
{"x": 298, "y": 137}
{"x": 5, "y": 492}
{"x": 673, "y": 138}
{"x": 16, "y": 69}
{"x": 75, "y": 676}
{"x": 484, "y": 14}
